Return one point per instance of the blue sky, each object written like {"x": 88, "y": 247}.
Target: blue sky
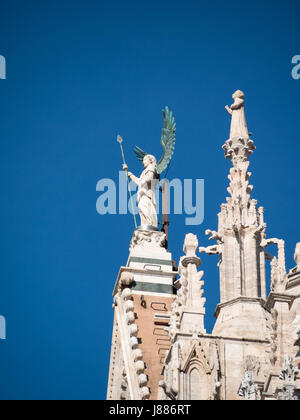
{"x": 79, "y": 73}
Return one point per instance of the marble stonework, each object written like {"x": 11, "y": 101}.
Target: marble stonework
{"x": 160, "y": 347}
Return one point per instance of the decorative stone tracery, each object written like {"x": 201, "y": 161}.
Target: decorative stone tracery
{"x": 288, "y": 377}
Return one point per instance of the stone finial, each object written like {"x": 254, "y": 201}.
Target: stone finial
{"x": 289, "y": 371}
{"x": 190, "y": 245}
{"x": 188, "y": 307}
{"x": 297, "y": 255}
{"x": 288, "y": 375}
{"x": 248, "y": 390}
{"x": 190, "y": 248}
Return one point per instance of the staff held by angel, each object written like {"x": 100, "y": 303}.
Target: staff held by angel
{"x": 149, "y": 178}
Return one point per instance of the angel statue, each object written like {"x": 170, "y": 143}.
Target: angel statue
{"x": 148, "y": 180}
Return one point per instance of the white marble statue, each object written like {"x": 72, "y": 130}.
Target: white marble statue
{"x": 149, "y": 178}
{"x": 237, "y": 111}
{"x": 147, "y": 184}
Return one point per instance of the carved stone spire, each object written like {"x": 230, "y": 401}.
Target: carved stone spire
{"x": 240, "y": 233}
{"x": 188, "y": 309}
{"x": 192, "y": 262}
{"x": 240, "y": 209}
{"x": 239, "y": 146}
{"x": 241, "y": 223}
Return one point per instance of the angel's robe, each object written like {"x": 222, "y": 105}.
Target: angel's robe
{"x": 147, "y": 185}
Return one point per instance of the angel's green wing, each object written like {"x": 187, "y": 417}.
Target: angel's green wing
{"x": 140, "y": 153}
{"x": 167, "y": 140}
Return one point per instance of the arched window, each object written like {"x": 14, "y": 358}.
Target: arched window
{"x": 198, "y": 382}
{"x": 195, "y": 390}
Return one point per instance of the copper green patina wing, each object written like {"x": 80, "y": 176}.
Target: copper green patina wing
{"x": 140, "y": 153}
{"x": 167, "y": 140}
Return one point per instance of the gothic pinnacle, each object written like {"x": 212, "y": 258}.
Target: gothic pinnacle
{"x": 239, "y": 146}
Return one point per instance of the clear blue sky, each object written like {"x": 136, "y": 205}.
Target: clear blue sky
{"x": 79, "y": 72}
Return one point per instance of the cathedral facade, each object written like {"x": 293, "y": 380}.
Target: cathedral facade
{"x": 160, "y": 348}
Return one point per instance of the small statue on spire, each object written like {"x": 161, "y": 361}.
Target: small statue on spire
{"x": 237, "y": 111}
{"x": 239, "y": 146}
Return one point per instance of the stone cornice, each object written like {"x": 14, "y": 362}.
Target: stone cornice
{"x": 294, "y": 280}
{"x": 173, "y": 274}
{"x": 278, "y": 297}
{"x": 183, "y": 335}
{"x": 191, "y": 260}
{"x": 238, "y": 300}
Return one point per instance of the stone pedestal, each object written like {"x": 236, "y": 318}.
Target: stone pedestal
{"x": 242, "y": 317}
{"x": 150, "y": 263}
